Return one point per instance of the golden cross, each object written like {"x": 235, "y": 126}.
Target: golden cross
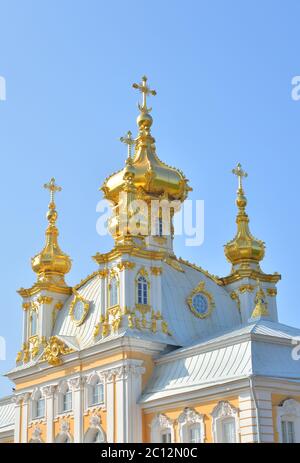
{"x": 240, "y": 173}
{"x": 145, "y": 90}
{"x": 52, "y": 188}
{"x": 129, "y": 141}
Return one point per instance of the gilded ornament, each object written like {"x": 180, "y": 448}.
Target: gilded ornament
{"x": 54, "y": 350}
{"x": 272, "y": 292}
{"x": 84, "y": 304}
{"x": 156, "y": 271}
{"x": 246, "y": 289}
{"x": 261, "y": 305}
{"x": 125, "y": 265}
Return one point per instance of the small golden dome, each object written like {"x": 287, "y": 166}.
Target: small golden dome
{"x": 244, "y": 250}
{"x": 51, "y": 264}
{"x": 150, "y": 176}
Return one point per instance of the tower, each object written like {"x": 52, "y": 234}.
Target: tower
{"x": 45, "y": 298}
{"x": 247, "y": 283}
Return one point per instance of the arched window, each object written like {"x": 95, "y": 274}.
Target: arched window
{"x": 162, "y": 430}
{"x": 38, "y": 405}
{"x": 142, "y": 290}
{"x": 113, "y": 292}
{"x": 289, "y": 421}
{"x": 33, "y": 323}
{"x": 97, "y": 393}
{"x": 191, "y": 426}
{"x": 225, "y": 423}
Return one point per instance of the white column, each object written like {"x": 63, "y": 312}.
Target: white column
{"x": 110, "y": 406}
{"x": 264, "y": 399}
{"x": 248, "y": 419}
{"x": 128, "y": 390}
{"x": 25, "y": 413}
{"x": 48, "y": 393}
{"x": 17, "y": 399}
{"x": 77, "y": 386}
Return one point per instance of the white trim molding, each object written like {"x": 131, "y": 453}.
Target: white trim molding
{"x": 222, "y": 412}
{"x": 190, "y": 418}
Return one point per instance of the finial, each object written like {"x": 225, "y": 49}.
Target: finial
{"x": 129, "y": 141}
{"x": 240, "y": 173}
{"x": 51, "y": 264}
{"x": 145, "y": 90}
{"x": 53, "y": 188}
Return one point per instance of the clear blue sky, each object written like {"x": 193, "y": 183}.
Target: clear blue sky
{"x": 222, "y": 70}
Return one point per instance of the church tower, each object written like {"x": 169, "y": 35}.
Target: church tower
{"x": 45, "y": 298}
{"x": 247, "y": 283}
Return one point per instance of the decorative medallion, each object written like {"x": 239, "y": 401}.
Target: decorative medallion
{"x": 200, "y": 301}
{"x": 79, "y": 308}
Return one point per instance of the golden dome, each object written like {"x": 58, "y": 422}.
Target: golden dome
{"x": 150, "y": 176}
{"x": 51, "y": 264}
{"x": 244, "y": 250}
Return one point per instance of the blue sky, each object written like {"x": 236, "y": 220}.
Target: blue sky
{"x": 223, "y": 74}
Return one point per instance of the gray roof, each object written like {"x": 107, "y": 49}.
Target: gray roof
{"x": 261, "y": 348}
{"x": 7, "y": 414}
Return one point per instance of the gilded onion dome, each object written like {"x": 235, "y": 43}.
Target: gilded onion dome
{"x": 244, "y": 251}
{"x": 148, "y": 174}
{"x": 51, "y": 264}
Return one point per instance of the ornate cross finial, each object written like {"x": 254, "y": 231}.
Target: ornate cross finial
{"x": 240, "y": 173}
{"x": 145, "y": 90}
{"x": 53, "y": 188}
{"x": 129, "y": 141}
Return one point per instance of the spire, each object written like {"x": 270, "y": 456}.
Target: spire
{"x": 244, "y": 251}
{"x": 51, "y": 264}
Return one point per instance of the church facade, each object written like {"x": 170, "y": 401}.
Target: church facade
{"x": 150, "y": 347}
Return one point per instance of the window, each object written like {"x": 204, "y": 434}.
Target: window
{"x": 160, "y": 227}
{"x": 142, "y": 290}
{"x": 39, "y": 408}
{"x": 67, "y": 401}
{"x": 288, "y": 421}
{"x": 162, "y": 430}
{"x": 225, "y": 423}
{"x": 97, "y": 395}
{"x": 288, "y": 432}
{"x": 33, "y": 323}
{"x": 228, "y": 431}
{"x": 114, "y": 292}
{"x": 191, "y": 426}
{"x": 166, "y": 437}
{"x": 195, "y": 434}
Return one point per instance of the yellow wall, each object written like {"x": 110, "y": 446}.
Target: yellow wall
{"x": 205, "y": 409}
{"x": 83, "y": 367}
